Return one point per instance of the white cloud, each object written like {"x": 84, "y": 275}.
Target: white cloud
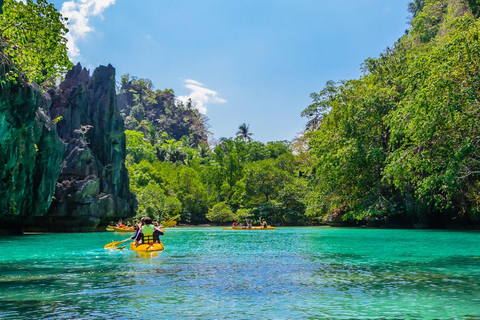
{"x": 200, "y": 95}
{"x": 78, "y": 13}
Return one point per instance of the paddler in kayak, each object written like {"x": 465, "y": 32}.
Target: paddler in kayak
{"x": 264, "y": 223}
{"x": 149, "y": 233}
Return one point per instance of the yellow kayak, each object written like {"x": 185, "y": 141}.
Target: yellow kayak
{"x": 252, "y": 228}
{"x": 147, "y": 247}
{"x": 110, "y": 228}
{"x": 123, "y": 229}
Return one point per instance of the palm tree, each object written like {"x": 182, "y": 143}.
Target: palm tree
{"x": 243, "y": 132}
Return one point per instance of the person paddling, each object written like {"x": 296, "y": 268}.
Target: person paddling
{"x": 264, "y": 223}
{"x": 138, "y": 229}
{"x": 149, "y": 233}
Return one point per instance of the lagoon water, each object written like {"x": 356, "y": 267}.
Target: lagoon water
{"x": 210, "y": 273}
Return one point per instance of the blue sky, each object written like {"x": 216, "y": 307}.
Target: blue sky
{"x": 243, "y": 61}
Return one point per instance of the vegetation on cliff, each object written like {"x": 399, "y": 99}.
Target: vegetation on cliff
{"x": 402, "y": 142}
{"x": 30, "y": 150}
{"x": 68, "y": 174}
{"x": 157, "y": 114}
{"x": 32, "y": 35}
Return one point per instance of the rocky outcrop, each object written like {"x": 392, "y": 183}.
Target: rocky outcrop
{"x": 31, "y": 153}
{"x": 93, "y": 185}
{"x": 68, "y": 174}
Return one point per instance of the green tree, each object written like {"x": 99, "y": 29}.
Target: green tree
{"x": 400, "y": 143}
{"x": 138, "y": 147}
{"x": 33, "y": 36}
{"x": 221, "y": 213}
{"x": 244, "y": 133}
{"x": 192, "y": 194}
{"x": 264, "y": 178}
{"x": 435, "y": 129}
{"x": 474, "y": 7}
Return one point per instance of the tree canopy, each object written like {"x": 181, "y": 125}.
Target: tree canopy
{"x": 402, "y": 142}
{"x": 235, "y": 180}
{"x": 158, "y": 114}
{"x": 33, "y": 37}
{"x": 244, "y": 132}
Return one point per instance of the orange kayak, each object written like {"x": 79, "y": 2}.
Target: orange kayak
{"x": 123, "y": 229}
{"x": 252, "y": 228}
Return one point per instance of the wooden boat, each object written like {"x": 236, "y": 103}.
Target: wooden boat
{"x": 123, "y": 229}
{"x": 147, "y": 247}
{"x": 252, "y": 228}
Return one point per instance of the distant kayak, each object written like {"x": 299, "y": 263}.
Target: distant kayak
{"x": 110, "y": 228}
{"x": 252, "y": 228}
{"x": 123, "y": 229}
{"x": 147, "y": 247}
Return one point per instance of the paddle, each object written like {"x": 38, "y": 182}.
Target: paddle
{"x": 115, "y": 244}
{"x": 169, "y": 224}
{"x": 170, "y": 219}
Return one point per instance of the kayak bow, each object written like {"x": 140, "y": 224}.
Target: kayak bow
{"x": 123, "y": 229}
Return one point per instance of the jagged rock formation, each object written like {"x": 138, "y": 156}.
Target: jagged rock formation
{"x": 93, "y": 186}
{"x": 68, "y": 174}
{"x": 31, "y": 153}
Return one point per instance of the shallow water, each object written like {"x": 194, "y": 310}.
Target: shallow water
{"x": 288, "y": 273}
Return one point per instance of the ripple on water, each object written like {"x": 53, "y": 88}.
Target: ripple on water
{"x": 290, "y": 273}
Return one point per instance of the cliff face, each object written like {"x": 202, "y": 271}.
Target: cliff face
{"x": 93, "y": 185}
{"x": 31, "y": 154}
{"x": 68, "y": 174}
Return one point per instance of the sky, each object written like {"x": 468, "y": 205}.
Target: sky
{"x": 241, "y": 61}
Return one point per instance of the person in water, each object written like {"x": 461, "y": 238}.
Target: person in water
{"x": 149, "y": 233}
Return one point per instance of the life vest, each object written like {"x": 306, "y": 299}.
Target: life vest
{"x": 147, "y": 231}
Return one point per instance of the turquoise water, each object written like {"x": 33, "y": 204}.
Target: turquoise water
{"x": 288, "y": 273}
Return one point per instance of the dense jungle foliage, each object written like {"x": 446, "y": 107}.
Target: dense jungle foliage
{"x": 234, "y": 181}
{"x": 173, "y": 169}
{"x": 401, "y": 143}
{"x": 399, "y": 146}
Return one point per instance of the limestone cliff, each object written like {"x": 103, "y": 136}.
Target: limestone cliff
{"x": 31, "y": 153}
{"x": 93, "y": 185}
{"x": 68, "y": 174}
